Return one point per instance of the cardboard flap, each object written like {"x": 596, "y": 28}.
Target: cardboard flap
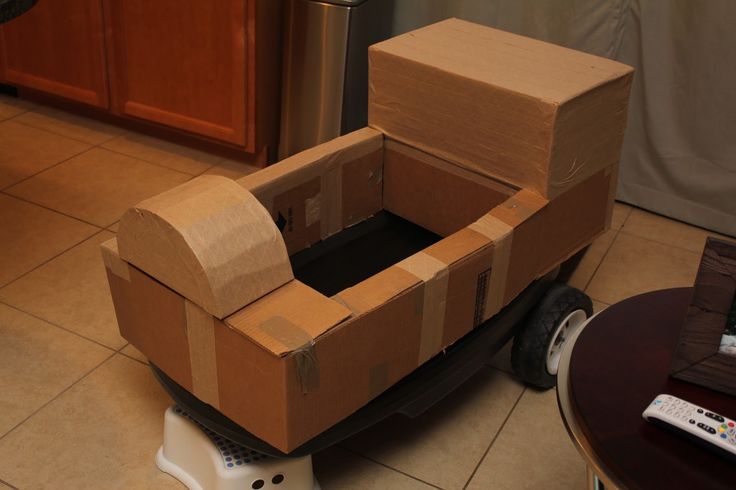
{"x": 288, "y": 319}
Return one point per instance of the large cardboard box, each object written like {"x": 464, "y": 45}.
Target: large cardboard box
{"x": 530, "y": 113}
{"x": 287, "y": 361}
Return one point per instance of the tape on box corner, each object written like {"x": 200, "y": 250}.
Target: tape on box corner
{"x": 298, "y": 341}
{"x": 501, "y": 234}
{"x": 202, "y": 353}
{"x": 435, "y": 276}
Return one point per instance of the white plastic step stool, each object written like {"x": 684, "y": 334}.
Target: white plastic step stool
{"x": 204, "y": 460}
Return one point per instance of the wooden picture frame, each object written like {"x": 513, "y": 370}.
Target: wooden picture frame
{"x": 698, "y": 358}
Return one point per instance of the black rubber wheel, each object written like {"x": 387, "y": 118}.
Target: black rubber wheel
{"x": 561, "y": 310}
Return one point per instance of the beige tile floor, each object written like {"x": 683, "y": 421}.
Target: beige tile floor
{"x": 79, "y": 408}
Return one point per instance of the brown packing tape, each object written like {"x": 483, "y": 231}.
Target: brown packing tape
{"x": 331, "y": 208}
{"x": 324, "y": 162}
{"x": 502, "y": 235}
{"x": 298, "y": 341}
{"x": 111, "y": 258}
{"x": 435, "y": 275}
{"x": 202, "y": 353}
{"x": 342, "y": 301}
{"x": 312, "y": 209}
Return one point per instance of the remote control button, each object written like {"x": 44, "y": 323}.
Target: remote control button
{"x": 714, "y": 416}
{"x": 730, "y": 424}
{"x": 692, "y": 421}
{"x": 700, "y": 410}
{"x": 723, "y": 436}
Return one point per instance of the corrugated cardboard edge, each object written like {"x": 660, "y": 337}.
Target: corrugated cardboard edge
{"x": 112, "y": 260}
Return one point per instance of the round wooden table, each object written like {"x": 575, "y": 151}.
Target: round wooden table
{"x": 611, "y": 371}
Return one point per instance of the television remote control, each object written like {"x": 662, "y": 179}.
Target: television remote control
{"x": 701, "y": 426}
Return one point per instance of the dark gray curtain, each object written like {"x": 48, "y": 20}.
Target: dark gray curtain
{"x": 679, "y": 155}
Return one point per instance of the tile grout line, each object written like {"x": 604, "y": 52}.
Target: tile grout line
{"x": 12, "y": 429}
{"x": 120, "y": 351}
{"x": 605, "y": 254}
{"x": 53, "y": 210}
{"x": 131, "y": 357}
{"x": 97, "y": 342}
{"x": 674, "y": 220}
{"x": 101, "y": 143}
{"x": 657, "y": 241}
{"x": 8, "y": 484}
{"x": 60, "y": 134}
{"x": 388, "y": 467}
{"x": 158, "y": 164}
{"x": 100, "y": 230}
{"x": 3, "y": 189}
{"x": 493, "y": 441}
{"x": 23, "y": 111}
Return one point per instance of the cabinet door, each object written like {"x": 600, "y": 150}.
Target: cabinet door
{"x": 57, "y": 48}
{"x": 180, "y": 63}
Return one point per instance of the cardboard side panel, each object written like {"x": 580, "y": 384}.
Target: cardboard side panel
{"x": 545, "y": 238}
{"x": 589, "y": 132}
{"x": 316, "y": 193}
{"x": 252, "y": 386}
{"x": 525, "y": 212}
{"x": 490, "y": 130}
{"x": 357, "y": 361}
{"x": 467, "y": 294}
{"x": 469, "y": 255}
{"x": 435, "y": 194}
{"x": 362, "y": 188}
{"x": 297, "y": 214}
{"x": 575, "y": 218}
{"x": 248, "y": 384}
{"x": 152, "y": 318}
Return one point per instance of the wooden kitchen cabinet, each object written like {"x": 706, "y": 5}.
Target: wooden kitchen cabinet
{"x": 190, "y": 64}
{"x": 57, "y": 48}
{"x": 210, "y": 69}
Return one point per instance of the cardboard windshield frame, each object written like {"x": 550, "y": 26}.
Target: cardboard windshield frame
{"x": 698, "y": 358}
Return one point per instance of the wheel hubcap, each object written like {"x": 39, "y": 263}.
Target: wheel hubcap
{"x": 564, "y": 330}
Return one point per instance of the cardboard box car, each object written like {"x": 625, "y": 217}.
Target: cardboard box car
{"x": 201, "y": 275}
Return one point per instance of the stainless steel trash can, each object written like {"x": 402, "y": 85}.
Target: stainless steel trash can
{"x": 325, "y": 73}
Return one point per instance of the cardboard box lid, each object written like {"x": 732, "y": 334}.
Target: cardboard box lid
{"x": 507, "y": 61}
{"x": 289, "y": 318}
